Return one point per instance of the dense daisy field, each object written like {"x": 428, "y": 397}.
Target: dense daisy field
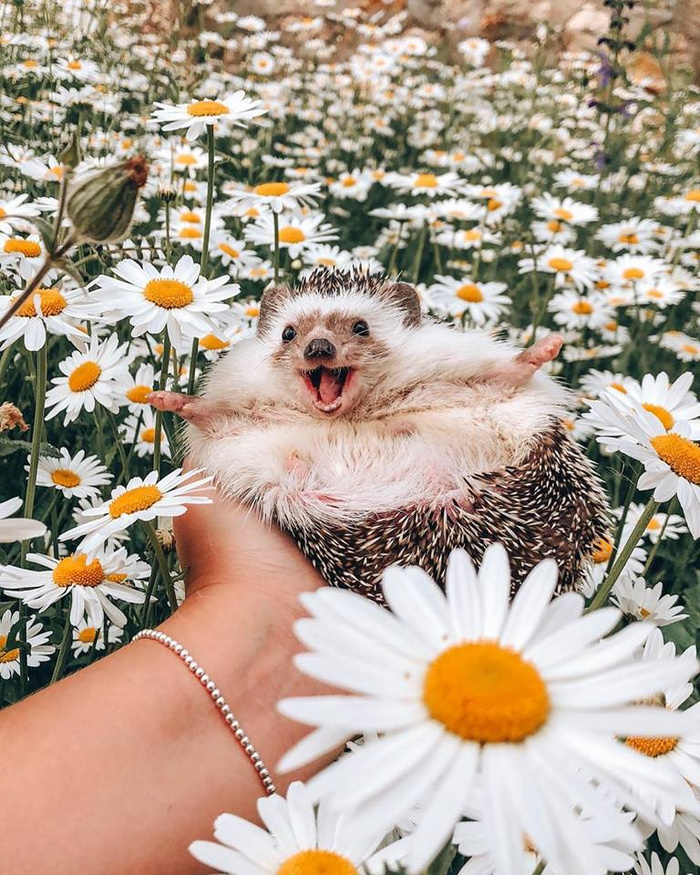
{"x": 519, "y": 194}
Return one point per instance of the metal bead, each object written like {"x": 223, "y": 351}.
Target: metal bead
{"x": 178, "y": 649}
{"x": 204, "y": 678}
{"x": 220, "y": 701}
{"x": 264, "y": 774}
{"x": 255, "y": 757}
{"x": 230, "y": 718}
{"x": 240, "y": 733}
{"x": 249, "y": 749}
{"x": 199, "y": 672}
{"x": 211, "y": 686}
{"x": 225, "y": 709}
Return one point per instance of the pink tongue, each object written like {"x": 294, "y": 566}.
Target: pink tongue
{"x": 329, "y": 388}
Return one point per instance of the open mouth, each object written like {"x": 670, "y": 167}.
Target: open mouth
{"x": 326, "y": 386}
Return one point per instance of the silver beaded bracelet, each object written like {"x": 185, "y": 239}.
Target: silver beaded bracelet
{"x": 218, "y": 700}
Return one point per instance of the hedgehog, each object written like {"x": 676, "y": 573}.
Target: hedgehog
{"x": 376, "y": 435}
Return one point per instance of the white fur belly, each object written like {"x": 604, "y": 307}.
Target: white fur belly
{"x": 338, "y": 471}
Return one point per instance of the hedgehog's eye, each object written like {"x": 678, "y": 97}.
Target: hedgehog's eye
{"x": 288, "y": 334}
{"x": 361, "y": 328}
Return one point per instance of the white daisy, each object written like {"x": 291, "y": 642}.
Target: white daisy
{"x": 525, "y": 695}
{"x": 634, "y": 235}
{"x": 36, "y": 639}
{"x": 175, "y": 298}
{"x": 296, "y": 233}
{"x": 482, "y": 302}
{"x": 564, "y": 210}
{"x": 19, "y": 528}
{"x": 49, "y": 310}
{"x": 654, "y": 866}
{"x": 141, "y": 499}
{"x": 90, "y": 582}
{"x": 669, "y": 402}
{"x": 428, "y": 184}
{"x": 29, "y": 250}
{"x": 277, "y": 196}
{"x": 89, "y": 379}
{"x": 635, "y": 599}
{"x": 671, "y": 525}
{"x": 134, "y": 388}
{"x": 87, "y": 638}
{"x": 78, "y": 476}
{"x": 569, "y": 266}
{"x": 234, "y": 109}
{"x": 573, "y": 310}
{"x": 296, "y": 839}
{"x": 15, "y": 212}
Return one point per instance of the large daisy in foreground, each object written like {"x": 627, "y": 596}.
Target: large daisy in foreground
{"x": 141, "y": 499}
{"x": 526, "y": 696}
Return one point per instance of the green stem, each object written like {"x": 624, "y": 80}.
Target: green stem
{"x": 539, "y": 869}
{"x": 606, "y": 587}
{"x": 205, "y": 244}
{"x": 164, "y": 364}
{"x": 120, "y": 445}
{"x": 62, "y": 651}
{"x": 5, "y": 362}
{"x": 656, "y": 546}
{"x": 415, "y": 268}
{"x": 149, "y": 593}
{"x": 276, "y": 256}
{"x": 162, "y": 563}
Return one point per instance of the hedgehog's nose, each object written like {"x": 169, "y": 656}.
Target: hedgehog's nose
{"x": 319, "y": 348}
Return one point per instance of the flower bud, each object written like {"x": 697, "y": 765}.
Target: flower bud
{"x": 166, "y": 193}
{"x": 101, "y": 203}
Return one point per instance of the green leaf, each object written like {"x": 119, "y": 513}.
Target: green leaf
{"x": 14, "y": 445}
{"x": 45, "y": 229}
{"x": 441, "y": 864}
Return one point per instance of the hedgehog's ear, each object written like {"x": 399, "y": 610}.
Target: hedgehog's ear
{"x": 404, "y": 296}
{"x": 270, "y": 304}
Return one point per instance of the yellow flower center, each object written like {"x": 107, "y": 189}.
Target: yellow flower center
{"x": 630, "y": 239}
{"x": 271, "y": 189}
{"x": 252, "y": 311}
{"x": 188, "y": 232}
{"x": 652, "y": 747}
{"x": 189, "y": 216}
{"x": 693, "y": 195}
{"x": 633, "y": 273}
{"x": 116, "y": 578}
{"x": 680, "y": 454}
{"x": 28, "y": 248}
{"x": 425, "y": 180}
{"x": 603, "y": 551}
{"x": 348, "y": 182}
{"x": 653, "y": 525}
{"x": 57, "y": 171}
{"x": 75, "y": 571}
{"x": 52, "y": 303}
{"x": 664, "y": 417}
{"x": 133, "y": 500}
{"x": 619, "y": 387}
{"x": 690, "y": 348}
{"x": 486, "y": 693}
{"x": 168, "y": 294}
{"x": 212, "y": 342}
{"x": 655, "y": 294}
{"x": 554, "y": 226}
{"x": 317, "y": 862}
{"x": 65, "y": 477}
{"x": 7, "y": 655}
{"x": 84, "y": 377}
{"x": 582, "y": 308}
{"x": 258, "y": 272}
{"x": 472, "y": 234}
{"x": 3, "y": 214}
{"x": 562, "y": 264}
{"x": 470, "y": 293}
{"x": 87, "y": 635}
{"x": 137, "y": 394}
{"x": 561, "y": 213}
{"x": 493, "y": 204}
{"x": 289, "y": 234}
{"x": 229, "y": 250}
{"x": 74, "y": 65}
{"x": 207, "y": 107}
{"x": 185, "y": 159}
{"x": 149, "y": 435}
